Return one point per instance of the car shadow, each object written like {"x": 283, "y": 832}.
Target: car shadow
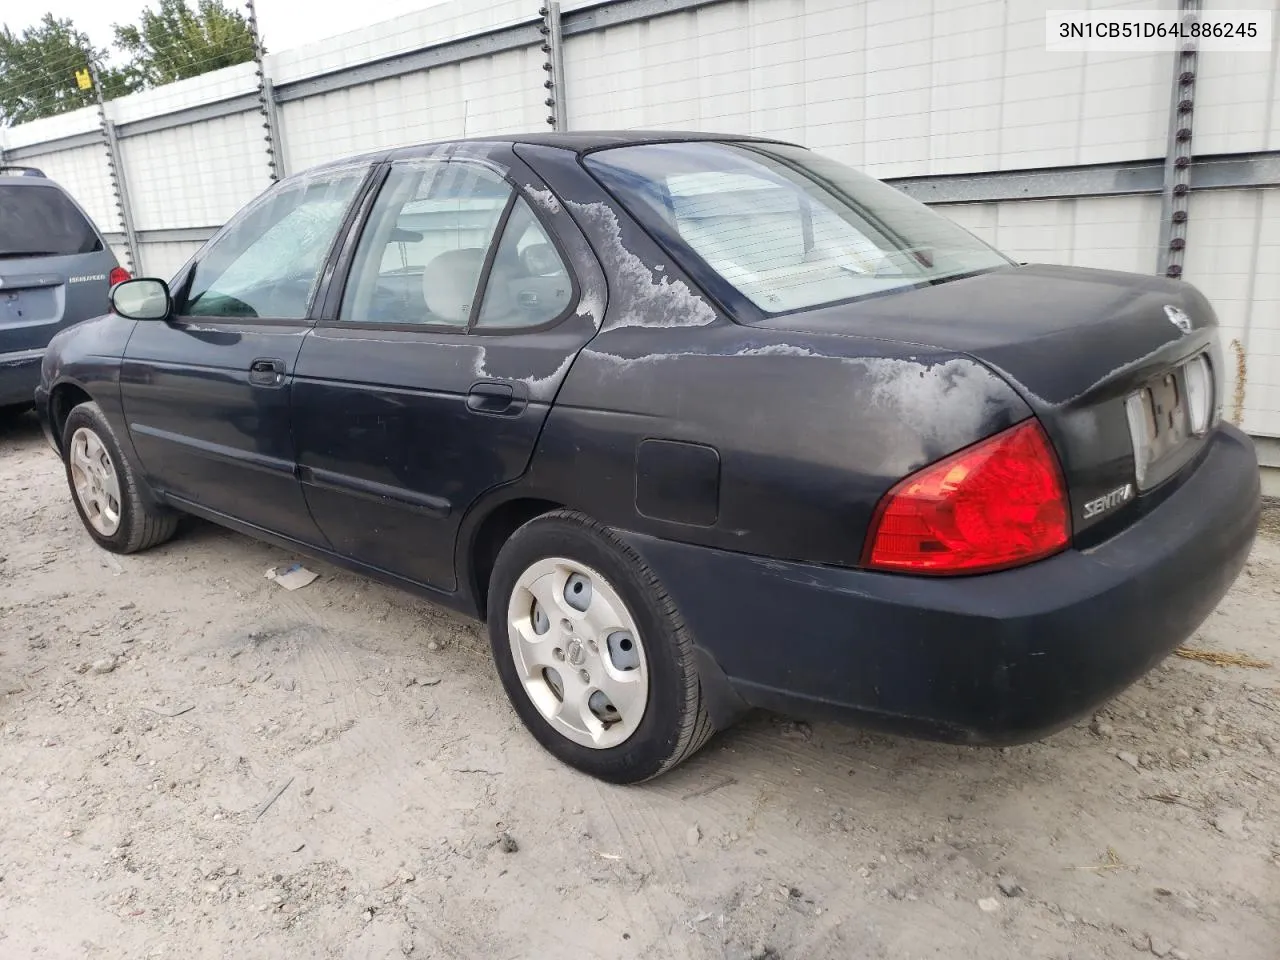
{"x": 830, "y": 772}
{"x": 774, "y": 753}
{"x": 19, "y": 428}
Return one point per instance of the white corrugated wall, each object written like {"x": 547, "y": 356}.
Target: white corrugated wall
{"x": 197, "y": 175}
{"x": 488, "y": 95}
{"x": 897, "y": 88}
{"x": 82, "y": 170}
{"x": 900, "y": 88}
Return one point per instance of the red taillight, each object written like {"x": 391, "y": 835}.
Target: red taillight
{"x": 117, "y": 275}
{"x": 996, "y": 504}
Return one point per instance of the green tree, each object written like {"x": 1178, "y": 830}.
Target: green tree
{"x": 38, "y": 71}
{"x": 176, "y": 42}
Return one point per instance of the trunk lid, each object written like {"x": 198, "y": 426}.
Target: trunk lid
{"x": 1077, "y": 344}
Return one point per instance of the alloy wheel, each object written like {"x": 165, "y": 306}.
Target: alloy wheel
{"x": 96, "y": 483}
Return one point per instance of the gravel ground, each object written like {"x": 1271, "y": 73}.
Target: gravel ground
{"x": 195, "y": 762}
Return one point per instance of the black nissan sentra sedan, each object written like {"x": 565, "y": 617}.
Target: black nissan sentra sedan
{"x": 696, "y": 424}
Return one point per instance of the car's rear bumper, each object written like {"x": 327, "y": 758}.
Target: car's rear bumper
{"x": 19, "y": 374}
{"x": 997, "y": 658}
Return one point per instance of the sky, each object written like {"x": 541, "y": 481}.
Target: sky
{"x": 284, "y": 23}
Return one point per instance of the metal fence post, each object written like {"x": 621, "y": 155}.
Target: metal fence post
{"x": 1174, "y": 205}
{"x": 266, "y": 102}
{"x": 119, "y": 188}
{"x": 553, "y": 47}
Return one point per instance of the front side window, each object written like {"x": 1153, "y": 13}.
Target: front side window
{"x": 422, "y": 253}
{"x": 268, "y": 264}
{"x": 787, "y": 228}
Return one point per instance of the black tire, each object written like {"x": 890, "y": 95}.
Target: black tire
{"x": 143, "y": 522}
{"x": 675, "y": 723}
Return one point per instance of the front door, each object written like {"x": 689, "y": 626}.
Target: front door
{"x": 431, "y": 382}
{"x": 206, "y": 393}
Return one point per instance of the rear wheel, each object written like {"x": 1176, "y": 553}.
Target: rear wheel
{"x": 115, "y": 511}
{"x": 592, "y": 652}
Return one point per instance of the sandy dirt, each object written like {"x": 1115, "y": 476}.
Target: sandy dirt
{"x": 151, "y": 708}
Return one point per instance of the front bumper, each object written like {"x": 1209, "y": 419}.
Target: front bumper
{"x": 998, "y": 658}
{"x": 19, "y": 374}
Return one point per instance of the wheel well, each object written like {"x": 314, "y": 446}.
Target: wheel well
{"x": 495, "y": 530}
{"x": 65, "y": 398}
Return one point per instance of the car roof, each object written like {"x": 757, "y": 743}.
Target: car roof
{"x": 21, "y": 181}
{"x": 582, "y": 141}
{"x": 12, "y": 173}
{"x": 579, "y": 141}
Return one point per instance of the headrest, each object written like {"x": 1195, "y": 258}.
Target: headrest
{"x": 449, "y": 283}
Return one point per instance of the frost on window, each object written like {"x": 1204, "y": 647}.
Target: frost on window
{"x": 268, "y": 264}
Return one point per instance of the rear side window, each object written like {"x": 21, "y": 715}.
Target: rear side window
{"x": 423, "y": 250}
{"x": 38, "y": 220}
{"x": 529, "y": 284}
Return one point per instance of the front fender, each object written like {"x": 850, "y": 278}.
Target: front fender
{"x": 85, "y": 359}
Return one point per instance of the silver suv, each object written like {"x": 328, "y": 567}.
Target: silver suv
{"x": 55, "y": 270}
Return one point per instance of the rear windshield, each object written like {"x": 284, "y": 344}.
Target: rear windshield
{"x": 37, "y": 220}
{"x": 787, "y": 228}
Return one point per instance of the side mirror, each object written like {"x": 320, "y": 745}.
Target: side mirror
{"x": 141, "y": 299}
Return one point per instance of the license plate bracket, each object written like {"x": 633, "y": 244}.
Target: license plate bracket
{"x": 11, "y": 307}
{"x": 1159, "y": 424}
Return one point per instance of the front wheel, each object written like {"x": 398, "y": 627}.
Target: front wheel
{"x": 113, "y": 508}
{"x": 592, "y": 652}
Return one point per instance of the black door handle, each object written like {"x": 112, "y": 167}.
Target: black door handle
{"x": 495, "y": 399}
{"x": 266, "y": 373}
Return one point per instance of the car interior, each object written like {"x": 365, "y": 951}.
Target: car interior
{"x": 424, "y": 251}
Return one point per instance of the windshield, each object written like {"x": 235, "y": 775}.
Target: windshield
{"x": 787, "y": 228}
{"x": 37, "y": 220}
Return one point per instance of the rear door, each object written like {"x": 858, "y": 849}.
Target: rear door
{"x": 206, "y": 393}
{"x": 54, "y": 266}
{"x": 430, "y": 381}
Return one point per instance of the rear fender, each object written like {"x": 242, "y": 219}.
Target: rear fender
{"x": 773, "y": 444}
